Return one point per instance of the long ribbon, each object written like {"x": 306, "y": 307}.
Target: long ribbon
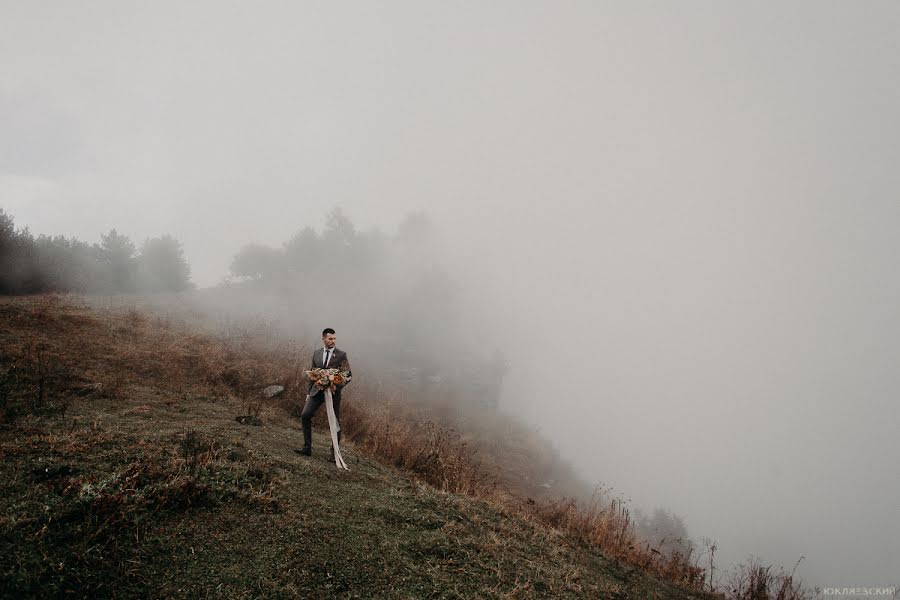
{"x": 334, "y": 427}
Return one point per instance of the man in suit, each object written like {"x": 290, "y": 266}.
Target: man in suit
{"x": 328, "y": 356}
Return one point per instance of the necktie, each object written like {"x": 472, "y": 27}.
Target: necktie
{"x": 327, "y": 357}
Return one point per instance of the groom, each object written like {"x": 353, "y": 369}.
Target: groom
{"x": 326, "y": 357}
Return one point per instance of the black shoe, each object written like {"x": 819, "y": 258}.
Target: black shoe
{"x": 331, "y": 458}
{"x": 304, "y": 451}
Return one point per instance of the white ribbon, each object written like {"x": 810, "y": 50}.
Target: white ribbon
{"x": 334, "y": 427}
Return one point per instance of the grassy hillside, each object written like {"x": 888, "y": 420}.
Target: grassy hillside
{"x": 125, "y": 473}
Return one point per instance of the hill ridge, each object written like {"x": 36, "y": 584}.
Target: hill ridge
{"x": 123, "y": 476}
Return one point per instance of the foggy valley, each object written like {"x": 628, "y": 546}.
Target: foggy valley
{"x": 660, "y": 240}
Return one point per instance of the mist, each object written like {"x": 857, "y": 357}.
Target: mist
{"x": 693, "y": 209}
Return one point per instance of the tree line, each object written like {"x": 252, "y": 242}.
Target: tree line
{"x": 375, "y": 282}
{"x": 33, "y": 265}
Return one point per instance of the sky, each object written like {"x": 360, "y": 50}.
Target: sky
{"x": 697, "y": 203}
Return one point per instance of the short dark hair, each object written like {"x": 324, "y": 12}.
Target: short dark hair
{"x": 326, "y": 331}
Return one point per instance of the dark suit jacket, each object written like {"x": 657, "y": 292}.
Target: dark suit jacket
{"x": 338, "y": 360}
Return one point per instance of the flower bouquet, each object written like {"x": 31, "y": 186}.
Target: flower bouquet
{"x": 329, "y": 378}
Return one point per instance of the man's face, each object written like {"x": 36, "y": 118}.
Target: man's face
{"x": 329, "y": 339}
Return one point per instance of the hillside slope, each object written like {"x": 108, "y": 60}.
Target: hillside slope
{"x": 125, "y": 473}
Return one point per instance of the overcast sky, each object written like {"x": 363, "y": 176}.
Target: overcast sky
{"x": 699, "y": 200}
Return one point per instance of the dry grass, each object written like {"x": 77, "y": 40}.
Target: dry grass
{"x": 755, "y": 581}
{"x": 435, "y": 454}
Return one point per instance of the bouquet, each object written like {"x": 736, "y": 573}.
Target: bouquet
{"x": 329, "y": 378}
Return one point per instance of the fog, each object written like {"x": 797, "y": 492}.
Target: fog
{"x": 692, "y": 208}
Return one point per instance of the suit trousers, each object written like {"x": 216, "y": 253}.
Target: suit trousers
{"x": 309, "y": 409}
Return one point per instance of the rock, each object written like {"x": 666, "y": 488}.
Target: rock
{"x": 272, "y": 391}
